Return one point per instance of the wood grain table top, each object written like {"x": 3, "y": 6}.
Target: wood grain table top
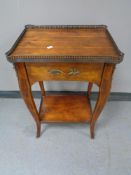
{"x": 65, "y": 43}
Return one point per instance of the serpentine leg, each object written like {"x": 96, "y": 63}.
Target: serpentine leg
{"x": 89, "y": 88}
{"x": 26, "y": 93}
{"x": 42, "y": 88}
{"x": 104, "y": 91}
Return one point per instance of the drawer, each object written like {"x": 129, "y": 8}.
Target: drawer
{"x": 65, "y": 71}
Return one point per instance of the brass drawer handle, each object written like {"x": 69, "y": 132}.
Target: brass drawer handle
{"x": 55, "y": 71}
{"x": 73, "y": 71}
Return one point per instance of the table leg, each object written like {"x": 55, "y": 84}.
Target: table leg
{"x": 89, "y": 88}
{"x": 26, "y": 93}
{"x": 42, "y": 88}
{"x": 104, "y": 91}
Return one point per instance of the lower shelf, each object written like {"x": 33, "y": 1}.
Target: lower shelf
{"x": 65, "y": 108}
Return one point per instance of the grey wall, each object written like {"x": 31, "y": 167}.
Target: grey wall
{"x": 17, "y": 13}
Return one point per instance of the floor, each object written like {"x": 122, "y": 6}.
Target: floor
{"x": 64, "y": 149}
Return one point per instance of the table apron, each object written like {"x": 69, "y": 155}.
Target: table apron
{"x": 91, "y": 72}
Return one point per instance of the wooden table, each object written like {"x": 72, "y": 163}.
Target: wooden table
{"x": 73, "y": 53}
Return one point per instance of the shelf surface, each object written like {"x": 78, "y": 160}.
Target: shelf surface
{"x": 65, "y": 108}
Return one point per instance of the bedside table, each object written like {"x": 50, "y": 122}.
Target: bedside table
{"x": 65, "y": 53}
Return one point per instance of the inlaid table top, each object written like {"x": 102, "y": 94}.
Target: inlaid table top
{"x": 65, "y": 43}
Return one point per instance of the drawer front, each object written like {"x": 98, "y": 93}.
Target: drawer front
{"x": 65, "y": 71}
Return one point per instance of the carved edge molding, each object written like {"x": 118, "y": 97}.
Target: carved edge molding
{"x": 29, "y": 26}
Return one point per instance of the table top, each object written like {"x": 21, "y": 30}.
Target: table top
{"x": 65, "y": 44}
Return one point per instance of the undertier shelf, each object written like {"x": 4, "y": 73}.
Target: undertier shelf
{"x": 65, "y": 108}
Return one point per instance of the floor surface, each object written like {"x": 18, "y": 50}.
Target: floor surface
{"x": 64, "y": 149}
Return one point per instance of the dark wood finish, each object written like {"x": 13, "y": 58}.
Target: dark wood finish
{"x": 79, "y": 54}
{"x": 65, "y": 108}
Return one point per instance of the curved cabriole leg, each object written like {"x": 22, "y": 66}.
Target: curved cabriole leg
{"x": 89, "y": 88}
{"x": 26, "y": 93}
{"x": 42, "y": 88}
{"x": 104, "y": 91}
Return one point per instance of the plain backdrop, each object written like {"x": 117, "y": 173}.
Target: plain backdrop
{"x": 14, "y": 15}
